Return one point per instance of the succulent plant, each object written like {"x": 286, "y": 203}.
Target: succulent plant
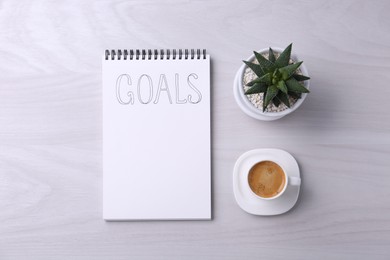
{"x": 277, "y": 78}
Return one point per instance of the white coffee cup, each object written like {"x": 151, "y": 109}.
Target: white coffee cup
{"x": 289, "y": 180}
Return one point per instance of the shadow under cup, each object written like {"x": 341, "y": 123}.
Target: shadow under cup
{"x": 267, "y": 180}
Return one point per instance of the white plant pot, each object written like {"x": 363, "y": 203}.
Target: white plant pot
{"x": 249, "y": 109}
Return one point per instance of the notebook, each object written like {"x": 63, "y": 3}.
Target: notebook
{"x": 156, "y": 135}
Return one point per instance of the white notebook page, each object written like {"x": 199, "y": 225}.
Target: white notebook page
{"x": 156, "y": 139}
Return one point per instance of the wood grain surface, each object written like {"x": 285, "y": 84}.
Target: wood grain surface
{"x": 51, "y": 136}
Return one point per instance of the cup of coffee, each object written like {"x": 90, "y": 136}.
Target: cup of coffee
{"x": 267, "y": 180}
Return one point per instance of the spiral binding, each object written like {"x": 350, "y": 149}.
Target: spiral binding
{"x": 155, "y": 54}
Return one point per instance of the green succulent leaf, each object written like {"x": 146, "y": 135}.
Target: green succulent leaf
{"x": 265, "y": 64}
{"x": 282, "y": 86}
{"x": 272, "y": 91}
{"x": 294, "y": 94}
{"x": 256, "y": 88}
{"x": 251, "y": 83}
{"x": 300, "y": 77}
{"x": 283, "y": 98}
{"x": 271, "y": 55}
{"x": 255, "y": 68}
{"x": 284, "y": 57}
{"x": 294, "y": 86}
{"x": 267, "y": 78}
{"x": 276, "y": 101}
{"x": 264, "y": 95}
{"x": 289, "y": 70}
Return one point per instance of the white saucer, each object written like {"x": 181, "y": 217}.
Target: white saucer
{"x": 245, "y": 197}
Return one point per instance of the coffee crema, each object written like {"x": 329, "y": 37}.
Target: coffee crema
{"x": 266, "y": 179}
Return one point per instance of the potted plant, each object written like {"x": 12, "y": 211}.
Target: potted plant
{"x": 271, "y": 84}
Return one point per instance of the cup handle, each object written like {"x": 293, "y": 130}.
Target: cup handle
{"x": 294, "y": 181}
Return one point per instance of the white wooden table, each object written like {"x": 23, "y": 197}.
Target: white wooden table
{"x": 50, "y": 128}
